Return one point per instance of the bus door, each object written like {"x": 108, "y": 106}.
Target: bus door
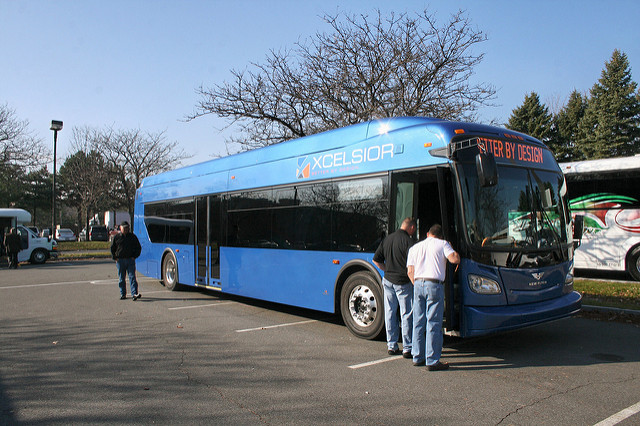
{"x": 202, "y": 220}
{"x": 416, "y": 194}
{"x": 427, "y": 195}
{"x": 215, "y": 227}
{"x": 447, "y": 191}
{"x": 24, "y": 237}
{"x": 207, "y": 239}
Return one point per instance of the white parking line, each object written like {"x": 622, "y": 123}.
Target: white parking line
{"x": 379, "y": 361}
{"x": 275, "y": 326}
{"x": 42, "y": 285}
{"x": 104, "y": 282}
{"x": 93, "y": 282}
{"x": 200, "y": 306}
{"x": 620, "y": 415}
{"x": 115, "y": 281}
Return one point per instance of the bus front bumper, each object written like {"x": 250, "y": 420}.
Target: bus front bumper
{"x": 482, "y": 320}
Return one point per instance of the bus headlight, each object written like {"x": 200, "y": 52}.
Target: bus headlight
{"x": 482, "y": 285}
{"x": 568, "y": 283}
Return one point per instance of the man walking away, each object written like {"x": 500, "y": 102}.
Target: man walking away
{"x": 426, "y": 267}
{"x": 391, "y": 257}
{"x": 125, "y": 248}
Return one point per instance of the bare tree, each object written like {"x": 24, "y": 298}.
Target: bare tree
{"x": 20, "y": 153}
{"x": 17, "y": 145}
{"x": 86, "y": 178}
{"x": 365, "y": 68}
{"x": 133, "y": 155}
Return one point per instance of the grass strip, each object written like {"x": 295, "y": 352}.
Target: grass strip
{"x": 614, "y": 294}
{"x": 89, "y": 255}
{"x": 83, "y": 245}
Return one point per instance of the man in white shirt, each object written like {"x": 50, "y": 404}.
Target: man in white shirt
{"x": 426, "y": 268}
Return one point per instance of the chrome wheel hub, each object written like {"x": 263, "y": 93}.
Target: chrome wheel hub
{"x": 363, "y": 306}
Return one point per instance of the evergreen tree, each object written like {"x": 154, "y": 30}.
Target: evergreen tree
{"x": 37, "y": 196}
{"x": 532, "y": 118}
{"x": 611, "y": 123}
{"x": 566, "y": 123}
{"x": 11, "y": 178}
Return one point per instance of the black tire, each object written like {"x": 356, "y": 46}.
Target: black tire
{"x": 38, "y": 257}
{"x": 362, "y": 305}
{"x": 633, "y": 263}
{"x": 170, "y": 272}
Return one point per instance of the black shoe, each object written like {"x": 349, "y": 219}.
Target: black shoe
{"x": 438, "y": 366}
{"x": 124, "y": 296}
{"x": 407, "y": 355}
{"x": 419, "y": 364}
{"x": 394, "y": 351}
{"x": 136, "y": 297}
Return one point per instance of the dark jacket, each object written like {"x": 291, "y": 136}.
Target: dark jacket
{"x": 13, "y": 243}
{"x": 125, "y": 246}
{"x": 393, "y": 253}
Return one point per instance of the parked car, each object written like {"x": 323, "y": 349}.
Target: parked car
{"x": 98, "y": 233}
{"x": 65, "y": 234}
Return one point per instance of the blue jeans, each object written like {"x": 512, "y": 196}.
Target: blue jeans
{"x": 398, "y": 296}
{"x": 127, "y": 266}
{"x": 428, "y": 309}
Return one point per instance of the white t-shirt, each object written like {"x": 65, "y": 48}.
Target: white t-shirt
{"x": 429, "y": 258}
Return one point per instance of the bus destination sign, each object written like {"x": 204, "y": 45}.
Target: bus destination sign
{"x": 514, "y": 151}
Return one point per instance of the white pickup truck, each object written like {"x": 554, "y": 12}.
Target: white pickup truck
{"x": 35, "y": 249}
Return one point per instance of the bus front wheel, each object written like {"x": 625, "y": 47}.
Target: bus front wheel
{"x": 170, "y": 272}
{"x": 633, "y": 263}
{"x": 362, "y": 305}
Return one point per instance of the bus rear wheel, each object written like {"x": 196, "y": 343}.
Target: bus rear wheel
{"x": 362, "y": 305}
{"x": 633, "y": 263}
{"x": 170, "y": 272}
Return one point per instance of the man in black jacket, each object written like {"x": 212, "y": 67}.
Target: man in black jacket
{"x": 13, "y": 245}
{"x": 391, "y": 257}
{"x": 125, "y": 248}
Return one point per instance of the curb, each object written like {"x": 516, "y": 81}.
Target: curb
{"x": 607, "y": 309}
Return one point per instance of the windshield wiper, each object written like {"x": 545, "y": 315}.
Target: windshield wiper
{"x": 546, "y": 222}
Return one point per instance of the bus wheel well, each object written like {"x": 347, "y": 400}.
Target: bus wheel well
{"x": 360, "y": 301}
{"x": 632, "y": 262}
{"x": 344, "y": 275}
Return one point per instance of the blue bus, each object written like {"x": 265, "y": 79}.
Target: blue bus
{"x": 297, "y": 223}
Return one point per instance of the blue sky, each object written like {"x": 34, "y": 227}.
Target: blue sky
{"x": 137, "y": 64}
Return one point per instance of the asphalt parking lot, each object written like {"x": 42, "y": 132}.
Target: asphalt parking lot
{"x": 71, "y": 352}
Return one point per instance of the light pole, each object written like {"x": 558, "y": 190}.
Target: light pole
{"x": 55, "y": 126}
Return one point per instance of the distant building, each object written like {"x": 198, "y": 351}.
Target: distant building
{"x": 113, "y": 219}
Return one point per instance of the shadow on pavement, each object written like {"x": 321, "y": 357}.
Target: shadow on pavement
{"x": 568, "y": 342}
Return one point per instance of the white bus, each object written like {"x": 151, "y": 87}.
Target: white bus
{"x": 35, "y": 249}
{"x": 607, "y": 192}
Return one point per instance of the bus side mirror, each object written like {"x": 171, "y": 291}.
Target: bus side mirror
{"x": 487, "y": 169}
{"x": 578, "y": 229}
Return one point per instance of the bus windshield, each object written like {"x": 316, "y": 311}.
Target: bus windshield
{"x": 524, "y": 211}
